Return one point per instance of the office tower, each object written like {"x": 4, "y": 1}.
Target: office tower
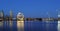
{"x": 20, "y": 22}
{"x": 1, "y": 14}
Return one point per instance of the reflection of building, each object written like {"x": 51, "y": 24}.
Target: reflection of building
{"x": 20, "y": 22}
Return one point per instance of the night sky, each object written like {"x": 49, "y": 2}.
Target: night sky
{"x": 31, "y": 8}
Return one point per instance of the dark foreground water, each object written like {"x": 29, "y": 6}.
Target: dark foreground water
{"x": 32, "y": 26}
{"x": 41, "y": 26}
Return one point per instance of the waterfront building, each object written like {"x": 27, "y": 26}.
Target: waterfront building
{"x": 1, "y": 19}
{"x": 20, "y": 21}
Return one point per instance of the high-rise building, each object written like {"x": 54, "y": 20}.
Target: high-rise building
{"x": 1, "y": 14}
{"x": 11, "y": 14}
{"x": 58, "y": 14}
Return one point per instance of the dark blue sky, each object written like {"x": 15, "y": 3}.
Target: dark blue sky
{"x": 31, "y": 8}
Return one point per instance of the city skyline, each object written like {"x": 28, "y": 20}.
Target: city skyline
{"x": 11, "y": 13}
{"x": 11, "y": 17}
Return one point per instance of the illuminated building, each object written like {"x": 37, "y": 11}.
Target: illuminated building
{"x": 20, "y": 22}
{"x": 1, "y": 19}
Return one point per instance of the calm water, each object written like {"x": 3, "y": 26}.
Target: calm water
{"x": 32, "y": 26}
{"x": 41, "y": 26}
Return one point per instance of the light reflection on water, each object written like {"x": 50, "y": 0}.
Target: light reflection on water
{"x": 32, "y": 26}
{"x": 58, "y": 25}
{"x": 20, "y": 25}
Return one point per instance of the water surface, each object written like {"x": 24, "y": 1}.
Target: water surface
{"x": 31, "y": 26}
